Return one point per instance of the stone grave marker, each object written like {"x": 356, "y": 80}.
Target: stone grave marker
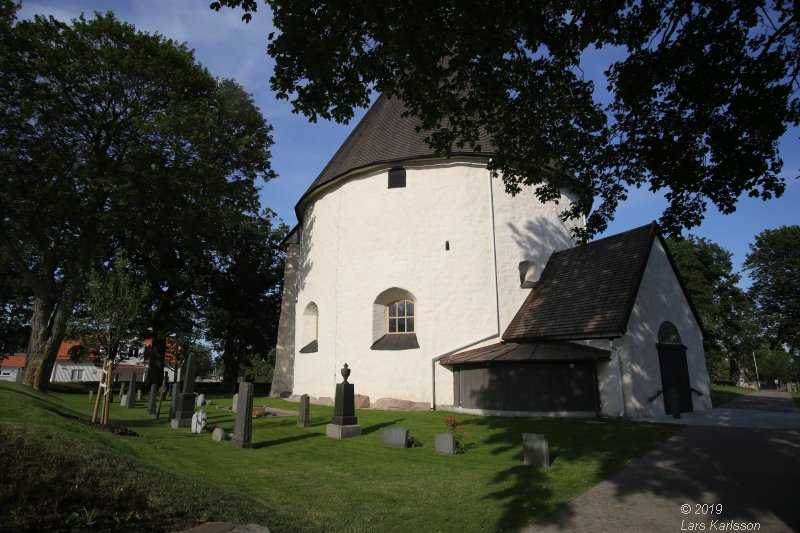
{"x": 303, "y": 421}
{"x": 394, "y": 437}
{"x": 199, "y": 421}
{"x": 122, "y": 396}
{"x": 185, "y": 409}
{"x": 535, "y": 451}
{"x": 235, "y": 402}
{"x": 445, "y": 443}
{"x": 151, "y": 400}
{"x": 138, "y": 394}
{"x": 344, "y": 424}
{"x": 218, "y": 434}
{"x": 130, "y": 399}
{"x": 200, "y": 401}
{"x": 91, "y": 395}
{"x": 173, "y": 406}
{"x": 243, "y": 432}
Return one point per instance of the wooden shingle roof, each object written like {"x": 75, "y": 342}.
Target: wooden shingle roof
{"x": 588, "y": 291}
{"x": 384, "y": 136}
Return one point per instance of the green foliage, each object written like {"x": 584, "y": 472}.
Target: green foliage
{"x": 109, "y": 136}
{"x": 110, "y": 316}
{"x": 242, "y": 306}
{"x": 727, "y": 313}
{"x": 698, "y": 99}
{"x": 774, "y": 365}
{"x": 15, "y": 308}
{"x": 721, "y": 394}
{"x": 774, "y": 264}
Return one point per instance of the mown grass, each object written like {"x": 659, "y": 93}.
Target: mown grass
{"x": 297, "y": 479}
{"x": 721, "y": 394}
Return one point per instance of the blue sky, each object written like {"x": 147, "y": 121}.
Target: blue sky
{"x": 231, "y": 49}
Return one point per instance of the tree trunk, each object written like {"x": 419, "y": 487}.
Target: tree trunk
{"x": 230, "y": 364}
{"x": 48, "y": 325}
{"x": 155, "y": 366}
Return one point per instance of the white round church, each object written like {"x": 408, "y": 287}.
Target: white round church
{"x": 421, "y": 273}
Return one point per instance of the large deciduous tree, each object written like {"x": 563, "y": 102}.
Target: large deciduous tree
{"x": 774, "y": 265}
{"x": 696, "y": 102}
{"x": 107, "y": 135}
{"x": 726, "y": 311}
{"x": 243, "y": 303}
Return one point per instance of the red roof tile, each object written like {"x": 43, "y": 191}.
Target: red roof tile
{"x": 14, "y": 360}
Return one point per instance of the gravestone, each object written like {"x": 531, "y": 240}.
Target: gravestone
{"x": 235, "y": 402}
{"x": 138, "y": 394}
{"x": 130, "y": 400}
{"x": 199, "y": 421}
{"x": 535, "y": 451}
{"x": 394, "y": 437}
{"x": 185, "y": 408}
{"x": 218, "y": 434}
{"x": 91, "y": 395}
{"x": 303, "y": 421}
{"x": 445, "y": 443}
{"x": 122, "y": 396}
{"x": 243, "y": 431}
{"x": 151, "y": 400}
{"x": 200, "y": 401}
{"x": 344, "y": 424}
{"x": 173, "y": 406}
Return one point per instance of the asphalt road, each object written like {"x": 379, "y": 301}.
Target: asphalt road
{"x": 728, "y": 472}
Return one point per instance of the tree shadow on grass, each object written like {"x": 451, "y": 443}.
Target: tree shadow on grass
{"x": 377, "y": 427}
{"x": 285, "y": 440}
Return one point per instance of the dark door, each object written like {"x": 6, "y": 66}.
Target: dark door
{"x": 675, "y": 378}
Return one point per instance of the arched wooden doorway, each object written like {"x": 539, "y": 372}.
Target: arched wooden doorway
{"x": 674, "y": 371}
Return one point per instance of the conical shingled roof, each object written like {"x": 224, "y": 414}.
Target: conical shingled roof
{"x": 384, "y": 136}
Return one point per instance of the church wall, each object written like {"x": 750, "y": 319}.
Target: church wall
{"x": 360, "y": 238}
{"x": 285, "y": 347}
{"x": 660, "y": 299}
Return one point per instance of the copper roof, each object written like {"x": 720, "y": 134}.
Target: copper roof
{"x": 588, "y": 291}
{"x": 385, "y": 136}
{"x": 510, "y": 352}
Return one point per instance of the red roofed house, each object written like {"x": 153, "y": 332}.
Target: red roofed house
{"x": 67, "y": 369}
{"x": 12, "y": 366}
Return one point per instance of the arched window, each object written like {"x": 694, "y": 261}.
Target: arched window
{"x": 668, "y": 334}
{"x": 310, "y": 329}
{"x": 394, "y": 320}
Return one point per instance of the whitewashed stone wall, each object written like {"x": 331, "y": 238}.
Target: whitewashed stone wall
{"x": 360, "y": 238}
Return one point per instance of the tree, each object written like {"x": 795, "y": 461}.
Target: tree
{"x": 15, "y": 308}
{"x": 774, "y": 265}
{"x": 109, "y": 317}
{"x": 243, "y": 303}
{"x": 109, "y": 135}
{"x": 698, "y": 101}
{"x": 726, "y": 311}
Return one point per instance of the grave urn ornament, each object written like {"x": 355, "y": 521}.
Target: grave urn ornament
{"x": 345, "y": 372}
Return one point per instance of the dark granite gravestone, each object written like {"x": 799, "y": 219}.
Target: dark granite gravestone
{"x": 535, "y": 451}
{"x": 344, "y": 423}
{"x": 394, "y": 437}
{"x": 186, "y": 399}
{"x": 173, "y": 406}
{"x": 243, "y": 431}
{"x": 303, "y": 421}
{"x": 151, "y": 400}
{"x": 130, "y": 399}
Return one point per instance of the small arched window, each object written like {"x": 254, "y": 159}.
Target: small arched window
{"x": 310, "y": 329}
{"x": 668, "y": 334}
{"x": 400, "y": 317}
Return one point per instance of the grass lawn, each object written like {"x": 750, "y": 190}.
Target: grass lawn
{"x": 721, "y": 394}
{"x": 297, "y": 479}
